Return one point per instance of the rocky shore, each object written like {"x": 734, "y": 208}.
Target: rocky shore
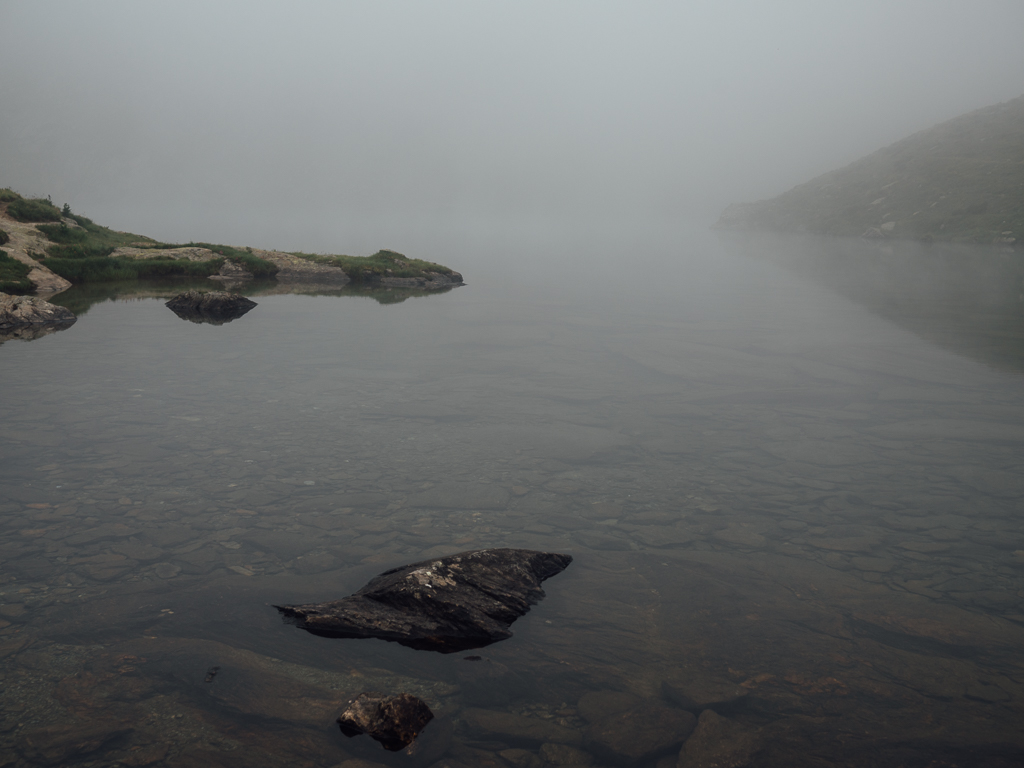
{"x": 59, "y": 247}
{"x": 29, "y": 317}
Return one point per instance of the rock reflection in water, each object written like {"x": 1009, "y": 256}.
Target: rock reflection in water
{"x": 30, "y": 332}
{"x": 797, "y": 527}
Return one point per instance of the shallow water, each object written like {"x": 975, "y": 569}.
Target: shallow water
{"x": 786, "y": 468}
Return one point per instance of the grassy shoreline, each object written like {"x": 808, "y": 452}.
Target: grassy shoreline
{"x": 81, "y": 251}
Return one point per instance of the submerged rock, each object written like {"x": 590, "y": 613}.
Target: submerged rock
{"x": 455, "y": 603}
{"x": 719, "y": 743}
{"x": 28, "y": 317}
{"x": 213, "y": 307}
{"x": 700, "y": 693}
{"x": 640, "y": 734}
{"x": 394, "y": 721}
{"x": 518, "y": 730}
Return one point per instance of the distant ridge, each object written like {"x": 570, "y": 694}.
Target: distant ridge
{"x": 959, "y": 181}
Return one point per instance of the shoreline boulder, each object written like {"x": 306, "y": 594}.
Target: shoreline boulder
{"x": 29, "y": 317}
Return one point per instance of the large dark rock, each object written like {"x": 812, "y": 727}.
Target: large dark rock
{"x": 213, "y": 307}
{"x": 394, "y": 721}
{"x": 452, "y": 604}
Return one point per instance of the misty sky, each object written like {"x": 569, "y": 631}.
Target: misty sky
{"x": 343, "y": 126}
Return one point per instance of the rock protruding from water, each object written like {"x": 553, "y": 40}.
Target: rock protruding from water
{"x": 213, "y": 307}
{"x": 31, "y": 310}
{"x": 394, "y": 721}
{"x": 452, "y": 604}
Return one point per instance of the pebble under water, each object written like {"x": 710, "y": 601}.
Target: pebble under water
{"x": 789, "y": 473}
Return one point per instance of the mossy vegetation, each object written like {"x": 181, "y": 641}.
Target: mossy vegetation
{"x": 13, "y": 275}
{"x": 84, "y": 254}
{"x": 105, "y": 268}
{"x": 4, "y": 237}
{"x": 381, "y": 264}
{"x": 960, "y": 181}
{"x": 244, "y": 258}
{"x": 33, "y": 209}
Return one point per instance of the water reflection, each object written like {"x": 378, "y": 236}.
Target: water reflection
{"x": 80, "y": 298}
{"x": 30, "y": 332}
{"x": 969, "y": 299}
{"x": 783, "y": 509}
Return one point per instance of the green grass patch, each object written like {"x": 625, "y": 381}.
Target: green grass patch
{"x": 33, "y": 209}
{"x": 381, "y": 264}
{"x": 254, "y": 264}
{"x": 82, "y": 254}
{"x": 13, "y": 275}
{"x": 8, "y": 195}
{"x": 107, "y": 268}
{"x": 4, "y": 237}
{"x": 89, "y": 236}
{"x": 62, "y": 233}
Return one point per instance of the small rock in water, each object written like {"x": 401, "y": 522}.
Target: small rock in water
{"x": 394, "y": 721}
{"x": 452, "y": 604}
{"x": 213, "y": 307}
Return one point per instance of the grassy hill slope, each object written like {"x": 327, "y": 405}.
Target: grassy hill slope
{"x": 960, "y": 181}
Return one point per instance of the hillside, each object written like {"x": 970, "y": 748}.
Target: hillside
{"x": 45, "y": 249}
{"x": 959, "y": 181}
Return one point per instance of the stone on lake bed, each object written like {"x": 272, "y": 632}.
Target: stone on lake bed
{"x": 719, "y": 743}
{"x": 697, "y": 694}
{"x": 455, "y": 603}
{"x": 563, "y": 754}
{"x": 597, "y": 705}
{"x": 640, "y": 734}
{"x": 166, "y": 570}
{"x": 517, "y": 730}
{"x": 394, "y": 721}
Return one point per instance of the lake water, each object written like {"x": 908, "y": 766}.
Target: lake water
{"x": 789, "y": 472}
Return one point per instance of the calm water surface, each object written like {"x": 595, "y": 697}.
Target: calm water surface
{"x": 789, "y": 471}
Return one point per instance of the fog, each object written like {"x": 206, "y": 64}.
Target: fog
{"x": 351, "y": 126}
